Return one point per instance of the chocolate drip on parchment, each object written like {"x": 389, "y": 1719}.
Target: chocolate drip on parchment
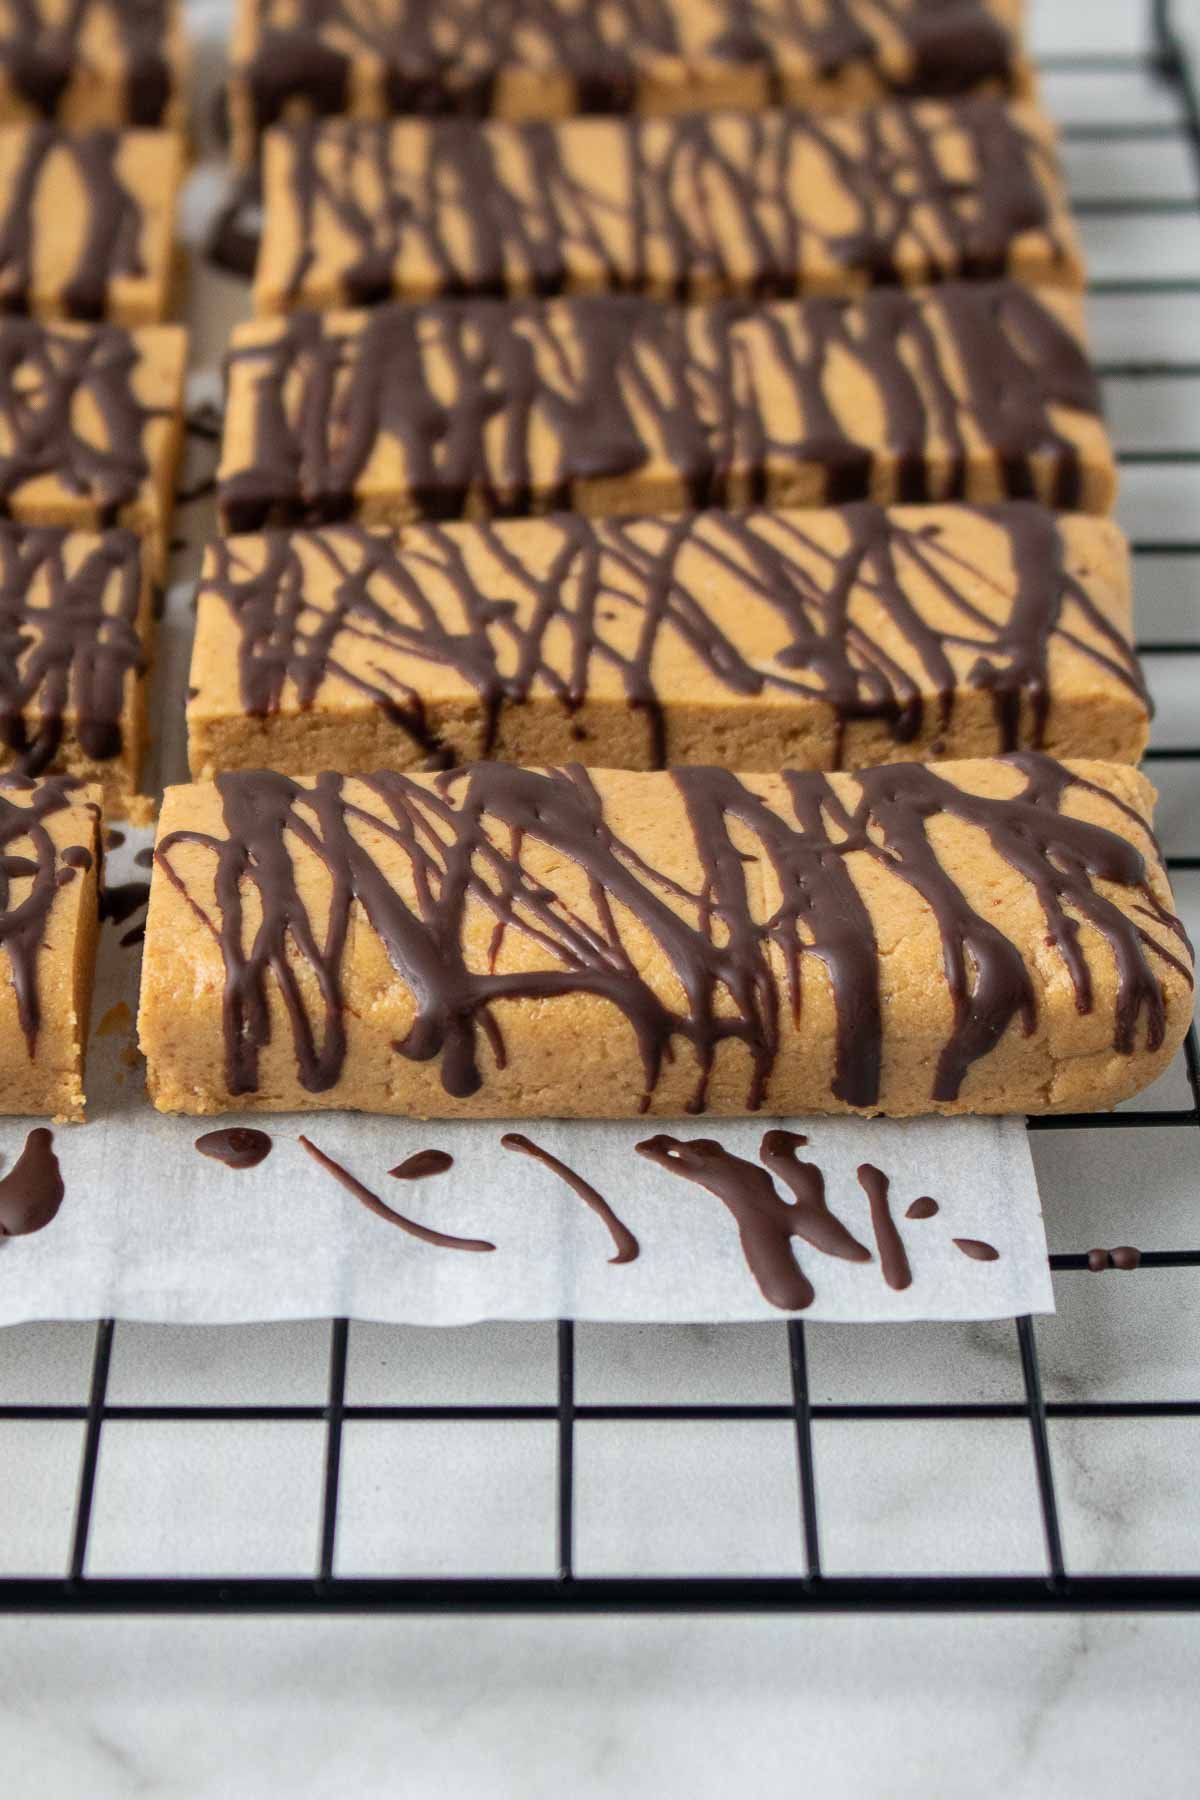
{"x": 599, "y": 569}
{"x": 31, "y": 1192}
{"x": 766, "y": 1224}
{"x": 605, "y": 376}
{"x": 31, "y": 873}
{"x": 421, "y": 1164}
{"x": 445, "y": 56}
{"x": 442, "y": 1239}
{"x": 459, "y": 839}
{"x": 811, "y": 1217}
{"x": 703, "y": 204}
{"x": 237, "y": 1146}
{"x": 68, "y": 641}
{"x": 51, "y": 379}
{"x": 893, "y": 1257}
{"x": 924, "y": 1207}
{"x": 40, "y": 56}
{"x": 113, "y": 221}
{"x": 976, "y": 1249}
{"x": 624, "y": 1243}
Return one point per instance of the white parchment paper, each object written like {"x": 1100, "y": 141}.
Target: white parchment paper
{"x": 151, "y": 1230}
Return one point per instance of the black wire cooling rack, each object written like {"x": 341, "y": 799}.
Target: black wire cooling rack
{"x": 1057, "y": 1588}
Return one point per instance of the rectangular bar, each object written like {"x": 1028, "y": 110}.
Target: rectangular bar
{"x": 299, "y": 58}
{"x": 993, "y": 936}
{"x": 49, "y": 864}
{"x": 613, "y": 404}
{"x": 87, "y": 223}
{"x": 91, "y": 425}
{"x": 94, "y": 62}
{"x": 755, "y": 640}
{"x": 76, "y": 626}
{"x": 686, "y": 208}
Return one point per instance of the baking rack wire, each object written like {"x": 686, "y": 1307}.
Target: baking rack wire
{"x": 1057, "y": 1589}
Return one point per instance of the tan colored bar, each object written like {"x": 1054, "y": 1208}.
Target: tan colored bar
{"x": 49, "y": 842}
{"x": 991, "y": 936}
{"x": 557, "y": 58}
{"x": 687, "y": 208}
{"x": 91, "y": 425}
{"x": 756, "y": 640}
{"x": 615, "y": 405}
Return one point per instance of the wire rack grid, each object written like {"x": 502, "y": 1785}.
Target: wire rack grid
{"x": 1056, "y": 1587}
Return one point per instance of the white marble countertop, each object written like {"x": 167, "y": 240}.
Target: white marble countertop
{"x": 895, "y": 1706}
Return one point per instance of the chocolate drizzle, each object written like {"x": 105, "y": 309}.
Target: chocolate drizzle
{"x": 68, "y": 641}
{"x": 685, "y": 208}
{"x": 388, "y": 1214}
{"x": 41, "y": 54}
{"x": 450, "y": 57}
{"x": 111, "y": 243}
{"x": 624, "y": 1243}
{"x": 976, "y": 1249}
{"x": 766, "y": 1224}
{"x": 892, "y": 1255}
{"x": 423, "y": 1163}
{"x": 922, "y": 1208}
{"x": 811, "y": 1218}
{"x": 31, "y": 873}
{"x": 237, "y": 1146}
{"x": 390, "y": 597}
{"x": 32, "y": 1190}
{"x": 518, "y": 406}
{"x": 459, "y": 838}
{"x": 50, "y": 376}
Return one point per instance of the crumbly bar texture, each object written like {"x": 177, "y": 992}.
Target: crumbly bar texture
{"x": 76, "y": 626}
{"x": 91, "y": 424}
{"x": 993, "y": 936}
{"x": 547, "y": 59}
{"x": 687, "y": 208}
{"x": 49, "y": 863}
{"x": 756, "y": 640}
{"x": 87, "y": 63}
{"x": 616, "y": 404}
{"x": 87, "y": 222}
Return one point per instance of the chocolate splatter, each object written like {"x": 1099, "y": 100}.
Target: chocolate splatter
{"x": 624, "y": 1242}
{"x": 422, "y": 1163}
{"x": 924, "y": 1207}
{"x": 977, "y": 1249}
{"x": 237, "y": 1146}
{"x": 892, "y": 1254}
{"x": 121, "y": 900}
{"x": 766, "y": 1224}
{"x": 382, "y": 1211}
{"x": 32, "y": 1190}
{"x": 812, "y": 1219}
